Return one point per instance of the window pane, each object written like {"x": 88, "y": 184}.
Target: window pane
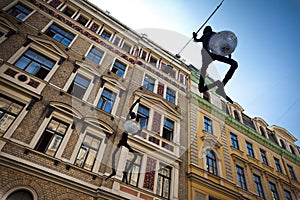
{"x": 56, "y": 140}
{"x": 90, "y": 160}
{"x": 81, "y": 156}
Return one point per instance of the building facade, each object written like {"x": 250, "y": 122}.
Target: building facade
{"x": 233, "y": 156}
{"x": 69, "y": 73}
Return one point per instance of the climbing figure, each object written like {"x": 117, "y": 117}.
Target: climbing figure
{"x": 216, "y": 46}
{"x": 123, "y": 142}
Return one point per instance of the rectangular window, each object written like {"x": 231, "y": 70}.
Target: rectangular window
{"x": 69, "y": 11}
{"x": 258, "y": 186}
{"x": 234, "y": 141}
{"x": 82, "y": 20}
{"x": 35, "y": 64}
{"x": 60, "y": 35}
{"x": 126, "y": 47}
{"x": 168, "y": 129}
{"x": 164, "y": 181}
{"x": 118, "y": 68}
{"x": 241, "y": 177}
{"x": 277, "y": 164}
{"x": 143, "y": 115}
{"x": 170, "y": 96}
{"x": 117, "y": 41}
{"x": 292, "y": 173}
{"x": 149, "y": 83}
{"x": 208, "y": 125}
{"x": 88, "y": 152}
{"x": 52, "y": 137}
{"x": 106, "y": 101}
{"x": 263, "y": 157}
{"x": 79, "y": 86}
{"x": 95, "y": 55}
{"x": 106, "y": 35}
{"x": 9, "y": 111}
{"x": 131, "y": 173}
{"x": 19, "y": 11}
{"x": 144, "y": 55}
{"x": 273, "y": 191}
{"x": 153, "y": 61}
{"x": 287, "y": 195}
{"x": 250, "y": 150}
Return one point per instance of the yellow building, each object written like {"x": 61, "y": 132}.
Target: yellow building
{"x": 233, "y": 156}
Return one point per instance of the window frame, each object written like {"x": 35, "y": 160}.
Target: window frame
{"x": 160, "y": 190}
{"x": 292, "y": 173}
{"x": 263, "y": 155}
{"x": 64, "y": 28}
{"x": 277, "y": 165}
{"x": 87, "y": 89}
{"x": 211, "y": 162}
{"x": 14, "y": 3}
{"x": 234, "y": 141}
{"x": 103, "y": 107}
{"x": 169, "y": 96}
{"x": 207, "y": 125}
{"x": 250, "y": 151}
{"x": 258, "y": 186}
{"x": 274, "y": 191}
{"x": 241, "y": 178}
{"x": 143, "y": 116}
{"x": 129, "y": 173}
{"x": 106, "y": 31}
{"x": 166, "y": 128}
{"x": 113, "y": 66}
{"x": 146, "y": 86}
{"x": 99, "y": 50}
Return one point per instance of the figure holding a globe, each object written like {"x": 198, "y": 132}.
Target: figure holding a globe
{"x": 216, "y": 46}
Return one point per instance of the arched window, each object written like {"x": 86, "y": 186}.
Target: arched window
{"x": 211, "y": 163}
{"x": 282, "y": 144}
{"x": 292, "y": 150}
{"x": 20, "y": 194}
{"x": 262, "y": 131}
{"x": 236, "y": 115}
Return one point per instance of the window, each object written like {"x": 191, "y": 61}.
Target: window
{"x": 211, "y": 163}
{"x": 250, "y": 149}
{"x": 79, "y": 86}
{"x": 241, "y": 177}
{"x": 106, "y": 35}
{"x": 118, "y": 68}
{"x": 273, "y": 191}
{"x": 9, "y": 111}
{"x": 207, "y": 125}
{"x": 106, "y": 101}
{"x": 88, "y": 152}
{"x": 292, "y": 173}
{"x": 292, "y": 150}
{"x": 262, "y": 131}
{"x": 149, "y": 83}
{"x": 258, "y": 186}
{"x": 144, "y": 55}
{"x": 277, "y": 164}
{"x": 60, "y": 35}
{"x": 69, "y": 11}
{"x": 35, "y": 64}
{"x": 131, "y": 174}
{"x": 143, "y": 115}
{"x": 168, "y": 129}
{"x": 153, "y": 61}
{"x": 126, "y": 47}
{"x": 287, "y": 195}
{"x": 19, "y": 11}
{"x": 52, "y": 137}
{"x": 95, "y": 55}
{"x": 82, "y": 20}
{"x": 282, "y": 144}
{"x": 234, "y": 141}
{"x": 117, "y": 41}
{"x": 164, "y": 181}
{"x": 263, "y": 157}
{"x": 236, "y": 115}
{"x": 170, "y": 95}
{"x": 20, "y": 194}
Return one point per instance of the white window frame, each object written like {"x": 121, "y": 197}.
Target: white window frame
{"x": 123, "y": 62}
{"x": 130, "y": 44}
{"x": 9, "y": 6}
{"x": 114, "y": 90}
{"x": 97, "y": 47}
{"x": 86, "y": 74}
{"x": 67, "y": 28}
{"x": 58, "y": 115}
{"x": 95, "y": 132}
{"x": 73, "y": 8}
{"x": 107, "y": 30}
{"x": 41, "y": 51}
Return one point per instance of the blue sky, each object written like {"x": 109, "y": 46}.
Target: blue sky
{"x": 266, "y": 82}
